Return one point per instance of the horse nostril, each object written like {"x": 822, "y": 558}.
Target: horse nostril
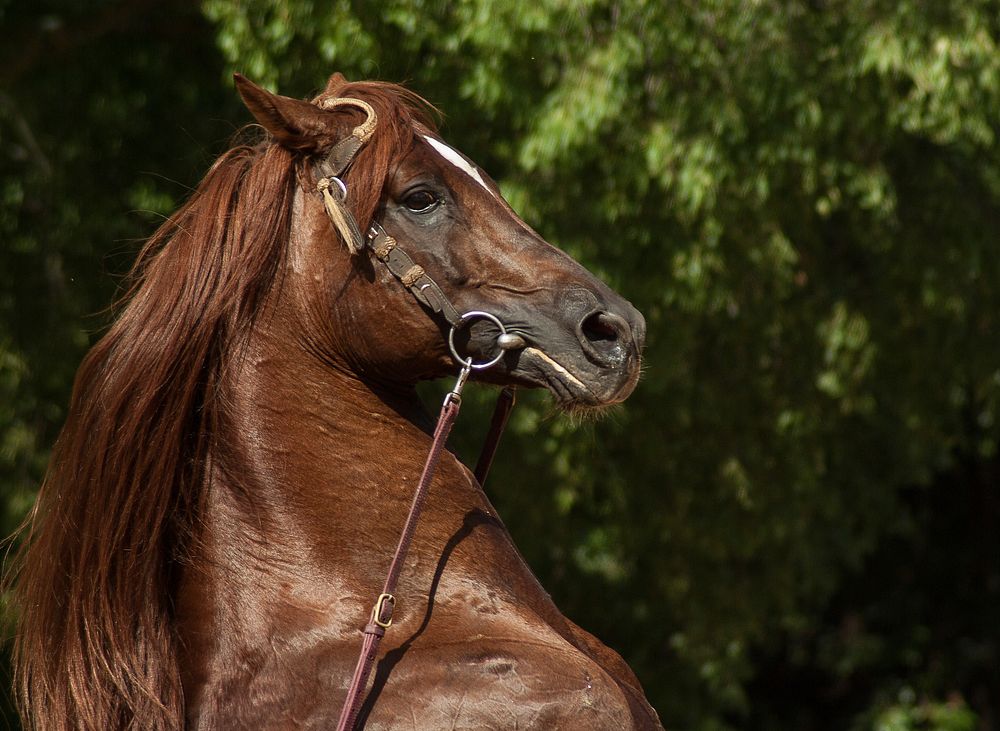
{"x": 603, "y": 328}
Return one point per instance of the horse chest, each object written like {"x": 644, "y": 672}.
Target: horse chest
{"x": 501, "y": 683}
{"x": 483, "y": 682}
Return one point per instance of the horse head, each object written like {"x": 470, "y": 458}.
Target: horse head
{"x": 573, "y": 334}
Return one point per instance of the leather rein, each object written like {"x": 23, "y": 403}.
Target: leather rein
{"x": 331, "y": 186}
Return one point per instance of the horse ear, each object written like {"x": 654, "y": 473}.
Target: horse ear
{"x": 294, "y": 124}
{"x": 337, "y": 80}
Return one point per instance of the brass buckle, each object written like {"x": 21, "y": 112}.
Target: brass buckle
{"x": 377, "y": 610}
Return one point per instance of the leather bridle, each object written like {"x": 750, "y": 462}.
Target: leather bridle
{"x": 332, "y": 188}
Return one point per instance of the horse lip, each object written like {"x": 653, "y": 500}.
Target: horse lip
{"x": 558, "y": 368}
{"x": 569, "y": 389}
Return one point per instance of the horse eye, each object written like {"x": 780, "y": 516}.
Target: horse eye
{"x": 421, "y": 201}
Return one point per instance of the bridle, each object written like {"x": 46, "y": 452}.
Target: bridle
{"x": 332, "y": 188}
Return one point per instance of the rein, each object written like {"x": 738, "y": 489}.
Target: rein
{"x": 427, "y": 292}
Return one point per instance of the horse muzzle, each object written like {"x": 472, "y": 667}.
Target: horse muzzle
{"x": 584, "y": 349}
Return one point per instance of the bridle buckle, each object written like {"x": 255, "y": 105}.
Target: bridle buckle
{"x": 379, "y": 608}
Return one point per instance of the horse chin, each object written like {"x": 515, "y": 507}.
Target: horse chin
{"x": 577, "y": 390}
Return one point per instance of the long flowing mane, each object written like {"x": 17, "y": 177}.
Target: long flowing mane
{"x": 102, "y": 549}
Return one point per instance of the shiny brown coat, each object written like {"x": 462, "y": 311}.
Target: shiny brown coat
{"x": 242, "y": 445}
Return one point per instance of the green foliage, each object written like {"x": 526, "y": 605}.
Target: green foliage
{"x": 909, "y": 715}
{"x": 805, "y": 205}
{"x": 88, "y": 94}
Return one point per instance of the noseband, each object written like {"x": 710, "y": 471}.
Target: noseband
{"x": 331, "y": 186}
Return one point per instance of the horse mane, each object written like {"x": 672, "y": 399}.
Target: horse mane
{"x": 102, "y": 548}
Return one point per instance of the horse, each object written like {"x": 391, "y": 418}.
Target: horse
{"x": 242, "y": 443}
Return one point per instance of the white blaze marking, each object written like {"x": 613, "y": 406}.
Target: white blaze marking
{"x": 457, "y": 160}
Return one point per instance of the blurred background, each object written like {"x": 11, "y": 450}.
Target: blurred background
{"x": 794, "y": 523}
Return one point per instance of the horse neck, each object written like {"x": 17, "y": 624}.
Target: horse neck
{"x": 309, "y": 464}
{"x": 305, "y": 448}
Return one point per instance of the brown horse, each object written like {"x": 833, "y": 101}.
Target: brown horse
{"x": 242, "y": 445}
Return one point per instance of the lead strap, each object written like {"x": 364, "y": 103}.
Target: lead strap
{"x": 381, "y": 616}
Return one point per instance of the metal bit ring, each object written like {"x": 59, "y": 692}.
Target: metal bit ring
{"x": 468, "y": 317}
